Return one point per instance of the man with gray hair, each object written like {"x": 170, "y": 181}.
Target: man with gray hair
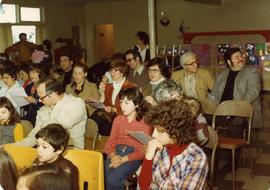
{"x": 194, "y": 81}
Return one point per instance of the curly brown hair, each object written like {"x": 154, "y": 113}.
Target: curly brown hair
{"x": 175, "y": 116}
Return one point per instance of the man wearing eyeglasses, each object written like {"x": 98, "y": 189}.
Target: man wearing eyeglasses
{"x": 60, "y": 108}
{"x": 137, "y": 73}
{"x": 195, "y": 81}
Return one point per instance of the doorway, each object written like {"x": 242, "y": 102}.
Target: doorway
{"x": 104, "y": 41}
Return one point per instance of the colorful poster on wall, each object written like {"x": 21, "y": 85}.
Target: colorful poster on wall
{"x": 221, "y": 49}
{"x": 203, "y": 51}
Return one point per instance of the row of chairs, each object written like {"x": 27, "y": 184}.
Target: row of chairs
{"x": 89, "y": 164}
{"x": 228, "y": 108}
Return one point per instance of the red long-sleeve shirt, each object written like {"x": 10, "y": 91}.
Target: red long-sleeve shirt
{"x": 119, "y": 135}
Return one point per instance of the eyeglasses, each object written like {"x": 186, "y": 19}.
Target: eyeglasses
{"x": 153, "y": 70}
{"x": 114, "y": 70}
{"x": 43, "y": 97}
{"x": 129, "y": 60}
{"x": 192, "y": 63}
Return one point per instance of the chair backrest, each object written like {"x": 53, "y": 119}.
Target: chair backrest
{"x": 235, "y": 108}
{"x": 213, "y": 138}
{"x": 91, "y": 134}
{"x": 208, "y": 106}
{"x": 212, "y": 144}
{"x": 90, "y": 166}
{"x": 18, "y": 132}
{"x": 22, "y": 156}
{"x": 27, "y": 127}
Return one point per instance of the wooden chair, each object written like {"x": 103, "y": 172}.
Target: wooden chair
{"x": 22, "y": 156}
{"x": 91, "y": 134}
{"x": 240, "y": 109}
{"x": 90, "y": 166}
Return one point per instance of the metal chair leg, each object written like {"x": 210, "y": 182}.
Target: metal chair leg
{"x": 233, "y": 168}
{"x": 251, "y": 161}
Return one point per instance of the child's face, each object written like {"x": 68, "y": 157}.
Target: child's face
{"x": 4, "y": 115}
{"x": 46, "y": 152}
{"x": 162, "y": 136}
{"x": 127, "y": 106}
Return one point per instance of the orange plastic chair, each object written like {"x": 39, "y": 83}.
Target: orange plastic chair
{"x": 241, "y": 109}
{"x": 18, "y": 132}
{"x": 22, "y": 129}
{"x": 22, "y": 156}
{"x": 90, "y": 166}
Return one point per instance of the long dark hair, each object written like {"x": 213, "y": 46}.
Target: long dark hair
{"x": 137, "y": 98}
{"x": 8, "y": 171}
{"x": 14, "y": 116}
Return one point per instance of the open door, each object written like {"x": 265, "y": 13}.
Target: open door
{"x": 104, "y": 41}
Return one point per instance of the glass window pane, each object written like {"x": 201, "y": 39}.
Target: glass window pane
{"x": 29, "y": 30}
{"x": 30, "y": 14}
{"x": 7, "y": 13}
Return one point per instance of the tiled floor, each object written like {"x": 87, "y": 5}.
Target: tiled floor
{"x": 261, "y": 157}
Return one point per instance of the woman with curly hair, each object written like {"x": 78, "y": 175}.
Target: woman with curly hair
{"x": 172, "y": 160}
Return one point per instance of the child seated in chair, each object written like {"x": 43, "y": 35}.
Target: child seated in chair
{"x": 10, "y": 128}
{"x": 124, "y": 153}
{"x": 172, "y": 160}
{"x": 51, "y": 143}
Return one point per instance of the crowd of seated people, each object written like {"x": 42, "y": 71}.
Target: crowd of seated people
{"x": 132, "y": 96}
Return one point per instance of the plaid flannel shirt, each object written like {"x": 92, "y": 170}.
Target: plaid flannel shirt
{"x": 188, "y": 171}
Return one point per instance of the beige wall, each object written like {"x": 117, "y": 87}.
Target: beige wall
{"x": 131, "y": 16}
{"x": 59, "y": 18}
{"x": 231, "y": 15}
{"x": 127, "y": 18}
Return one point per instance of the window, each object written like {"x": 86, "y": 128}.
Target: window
{"x": 29, "y": 30}
{"x": 7, "y": 13}
{"x": 30, "y": 14}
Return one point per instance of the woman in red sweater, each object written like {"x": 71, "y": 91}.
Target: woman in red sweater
{"x": 125, "y": 153}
